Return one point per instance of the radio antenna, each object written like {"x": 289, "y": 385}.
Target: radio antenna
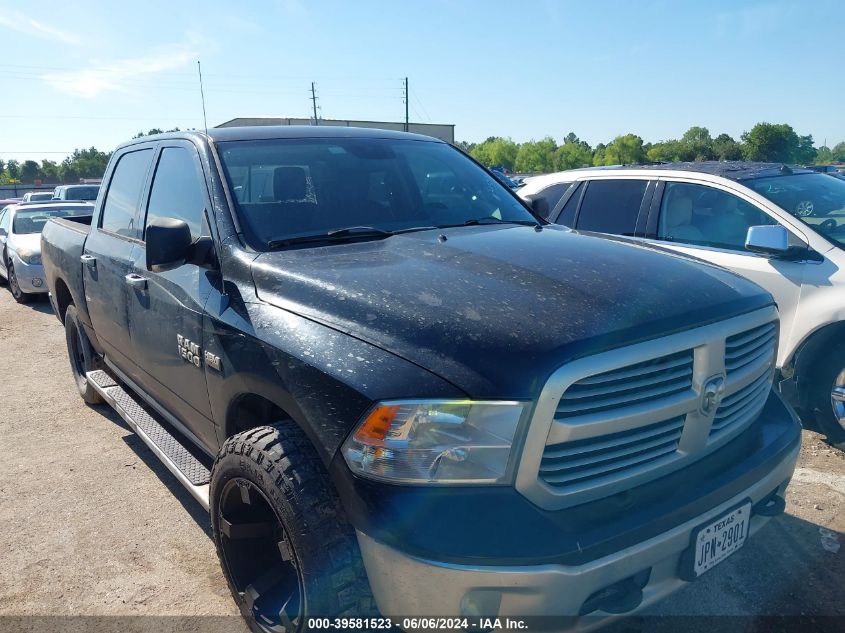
{"x": 202, "y": 96}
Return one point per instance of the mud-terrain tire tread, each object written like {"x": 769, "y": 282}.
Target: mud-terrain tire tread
{"x": 91, "y": 363}
{"x": 295, "y": 480}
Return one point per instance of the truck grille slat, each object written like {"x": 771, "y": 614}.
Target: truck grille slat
{"x": 649, "y": 381}
{"x": 641, "y": 369}
{"x": 598, "y": 457}
{"x": 631, "y": 462}
{"x": 748, "y": 348}
{"x": 741, "y": 407}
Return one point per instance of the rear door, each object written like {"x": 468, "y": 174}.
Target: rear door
{"x": 108, "y": 253}
{"x": 618, "y": 206}
{"x": 166, "y": 308}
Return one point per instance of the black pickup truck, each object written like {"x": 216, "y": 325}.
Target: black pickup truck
{"x": 399, "y": 392}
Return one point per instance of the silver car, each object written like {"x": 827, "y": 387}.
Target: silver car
{"x": 20, "y": 244}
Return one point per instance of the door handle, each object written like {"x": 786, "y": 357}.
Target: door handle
{"x": 88, "y": 260}
{"x": 136, "y": 281}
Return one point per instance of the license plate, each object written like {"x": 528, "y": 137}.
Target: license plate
{"x": 717, "y": 540}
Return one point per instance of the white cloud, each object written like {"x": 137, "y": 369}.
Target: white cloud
{"x": 118, "y": 75}
{"x": 18, "y": 21}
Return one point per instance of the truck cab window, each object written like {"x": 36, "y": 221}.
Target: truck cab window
{"x": 611, "y": 206}
{"x": 177, "y": 190}
{"x": 120, "y": 208}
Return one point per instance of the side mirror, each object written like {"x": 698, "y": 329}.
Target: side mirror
{"x": 169, "y": 244}
{"x": 539, "y": 205}
{"x": 3, "y": 232}
{"x": 768, "y": 240}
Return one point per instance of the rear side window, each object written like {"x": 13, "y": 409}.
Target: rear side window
{"x": 611, "y": 206}
{"x": 121, "y": 203}
{"x": 177, "y": 190}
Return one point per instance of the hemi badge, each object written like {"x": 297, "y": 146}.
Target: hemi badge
{"x": 212, "y": 361}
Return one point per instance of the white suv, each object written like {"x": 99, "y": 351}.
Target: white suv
{"x": 782, "y": 227}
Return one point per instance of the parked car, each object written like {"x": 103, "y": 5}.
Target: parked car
{"x": 20, "y": 244}
{"x": 384, "y": 390}
{"x": 37, "y": 196}
{"x": 505, "y": 180}
{"x": 76, "y": 192}
{"x": 782, "y": 227}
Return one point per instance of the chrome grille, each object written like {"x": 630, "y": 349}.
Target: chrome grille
{"x": 609, "y": 422}
{"x": 753, "y": 347}
{"x": 742, "y": 406}
{"x": 645, "y": 382}
{"x": 582, "y": 463}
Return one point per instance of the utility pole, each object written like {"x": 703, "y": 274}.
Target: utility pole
{"x": 406, "y": 104}
{"x": 314, "y": 102}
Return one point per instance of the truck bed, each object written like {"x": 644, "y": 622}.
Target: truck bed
{"x": 62, "y": 244}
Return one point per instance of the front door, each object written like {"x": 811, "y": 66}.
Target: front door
{"x": 712, "y": 224}
{"x": 166, "y": 308}
{"x": 108, "y": 255}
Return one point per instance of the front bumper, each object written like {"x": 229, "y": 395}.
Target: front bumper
{"x": 30, "y": 276}
{"x": 404, "y": 585}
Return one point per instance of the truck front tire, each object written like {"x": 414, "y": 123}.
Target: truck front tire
{"x": 285, "y": 547}
{"x": 82, "y": 356}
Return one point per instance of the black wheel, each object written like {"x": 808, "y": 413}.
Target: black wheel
{"x": 828, "y": 396}
{"x": 82, "y": 356}
{"x": 19, "y": 295}
{"x": 286, "y": 549}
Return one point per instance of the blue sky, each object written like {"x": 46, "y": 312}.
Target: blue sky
{"x": 77, "y": 74}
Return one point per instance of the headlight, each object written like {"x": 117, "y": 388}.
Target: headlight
{"x": 436, "y": 442}
{"x": 30, "y": 257}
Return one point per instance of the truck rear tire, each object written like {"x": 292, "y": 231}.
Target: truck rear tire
{"x": 285, "y": 546}
{"x": 82, "y": 356}
{"x": 828, "y": 385}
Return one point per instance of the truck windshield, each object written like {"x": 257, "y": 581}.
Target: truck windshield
{"x": 27, "y": 222}
{"x": 818, "y": 200}
{"x": 293, "y": 188}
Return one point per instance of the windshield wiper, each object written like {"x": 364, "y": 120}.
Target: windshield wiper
{"x": 493, "y": 220}
{"x": 350, "y": 232}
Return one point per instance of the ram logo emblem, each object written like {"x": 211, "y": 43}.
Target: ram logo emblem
{"x": 711, "y": 394}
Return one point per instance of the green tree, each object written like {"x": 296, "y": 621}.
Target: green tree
{"x": 726, "y": 148}
{"x": 625, "y": 150}
{"x": 698, "y": 143}
{"x": 775, "y": 143}
{"x": 49, "y": 171}
{"x": 598, "y": 154}
{"x": 30, "y": 171}
{"x": 496, "y": 151}
{"x": 13, "y": 169}
{"x": 536, "y": 156}
{"x": 84, "y": 163}
{"x": 666, "y": 152}
{"x": 155, "y": 130}
{"x": 573, "y": 153}
{"x": 805, "y": 153}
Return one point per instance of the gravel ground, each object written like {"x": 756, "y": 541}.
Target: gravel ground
{"x": 97, "y": 526}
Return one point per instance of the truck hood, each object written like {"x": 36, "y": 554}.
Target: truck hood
{"x": 496, "y": 309}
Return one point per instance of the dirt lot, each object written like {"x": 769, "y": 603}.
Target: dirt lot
{"x": 95, "y": 525}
